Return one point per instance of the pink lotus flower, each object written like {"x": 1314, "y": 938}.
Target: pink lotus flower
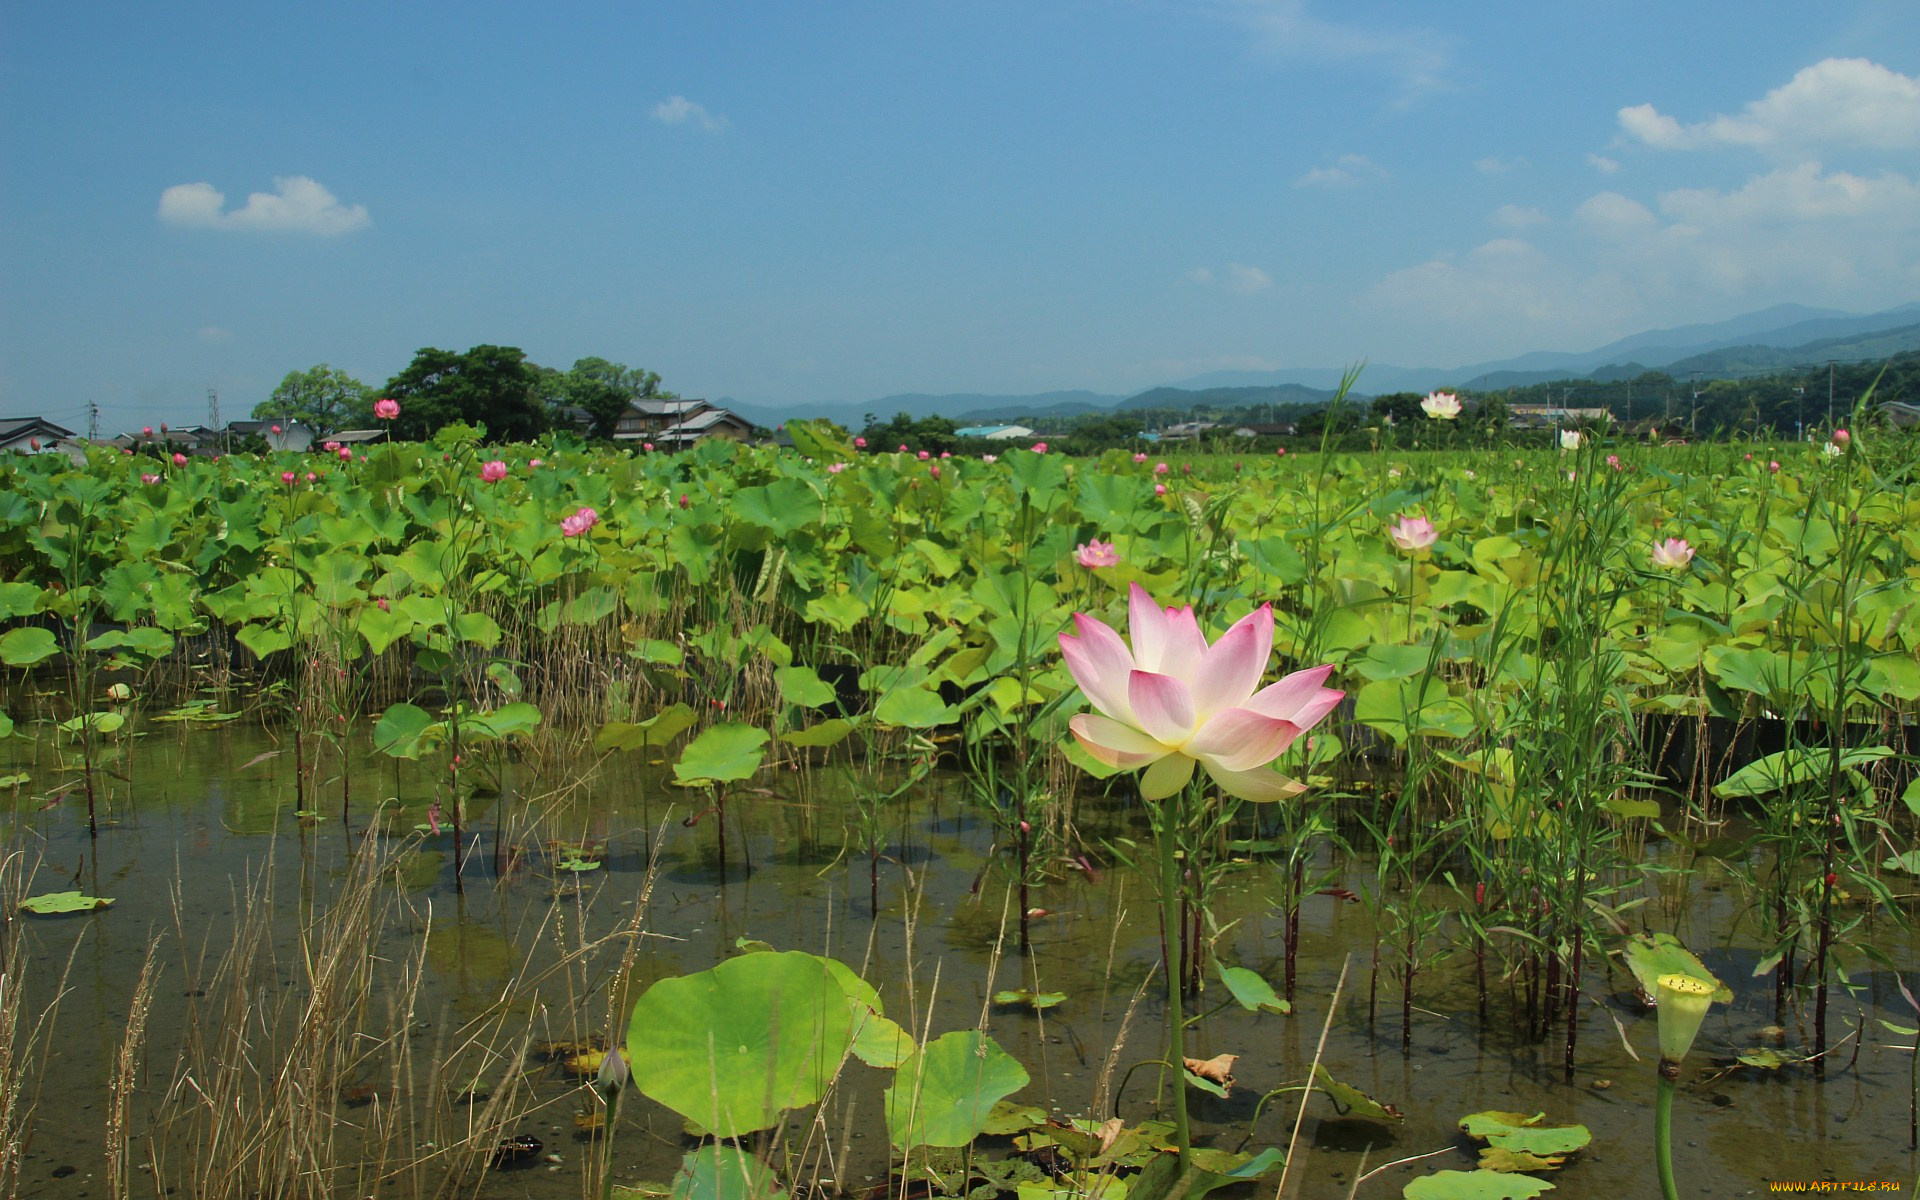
{"x": 1171, "y": 702}
{"x": 386, "y": 409}
{"x": 1672, "y": 554}
{"x": 383, "y": 606}
{"x": 312, "y": 478}
{"x": 1413, "y": 534}
{"x": 1774, "y": 467}
{"x": 146, "y": 478}
{"x": 1039, "y": 447}
{"x": 330, "y": 447}
{"x": 1841, "y": 437}
{"x": 1160, "y": 468}
{"x": 1281, "y": 452}
{"x": 903, "y": 447}
{"x": 924, "y": 456}
{"x": 288, "y": 478}
{"x": 34, "y": 445}
{"x": 1613, "y": 460}
{"x": 493, "y": 471}
{"x": 1159, "y": 489}
{"x": 146, "y": 431}
{"x": 1096, "y": 554}
{"x": 1139, "y": 458}
{"x": 1441, "y": 406}
{"x": 276, "y": 429}
{"x": 946, "y": 454}
{"x": 346, "y": 455}
{"x": 179, "y": 459}
{"x": 989, "y": 458}
{"x": 934, "y": 470}
{"x": 579, "y": 522}
{"x": 836, "y": 468}
{"x": 535, "y": 465}
{"x": 647, "y": 446}
{"x": 860, "y": 443}
{"x": 684, "y": 502}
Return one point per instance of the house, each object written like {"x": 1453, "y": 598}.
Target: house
{"x": 1553, "y": 416}
{"x": 1902, "y": 414}
{"x": 994, "y": 433}
{"x": 707, "y": 423}
{"x": 356, "y": 437}
{"x": 646, "y": 420}
{"x": 1186, "y": 431}
{"x": 33, "y": 435}
{"x": 279, "y": 435}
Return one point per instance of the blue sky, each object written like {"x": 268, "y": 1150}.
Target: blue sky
{"x": 832, "y": 202}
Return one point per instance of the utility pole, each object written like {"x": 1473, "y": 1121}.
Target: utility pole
{"x": 1830, "y": 395}
{"x": 93, "y": 421}
{"x": 1693, "y": 420}
{"x": 213, "y": 416}
{"x": 1799, "y": 413}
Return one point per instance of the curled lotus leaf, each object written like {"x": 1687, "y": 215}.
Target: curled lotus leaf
{"x": 55, "y": 903}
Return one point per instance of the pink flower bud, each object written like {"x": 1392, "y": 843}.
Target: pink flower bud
{"x": 288, "y": 478}
{"x": 179, "y": 460}
{"x": 860, "y": 443}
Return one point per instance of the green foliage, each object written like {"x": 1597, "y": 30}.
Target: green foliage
{"x": 322, "y": 398}
{"x": 944, "y": 1093}
{"x": 494, "y": 386}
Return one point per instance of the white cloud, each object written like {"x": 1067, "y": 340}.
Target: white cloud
{"x": 1516, "y": 216}
{"x": 1603, "y": 164}
{"x": 1200, "y": 275}
{"x": 1284, "y": 28}
{"x": 213, "y": 333}
{"x": 1349, "y": 170}
{"x": 1491, "y": 165}
{"x": 1835, "y": 102}
{"x": 678, "y": 110}
{"x": 1613, "y": 216}
{"x": 296, "y": 205}
{"x": 1506, "y": 282}
{"x": 1247, "y": 280}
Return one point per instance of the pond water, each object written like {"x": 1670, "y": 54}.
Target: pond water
{"x": 201, "y": 850}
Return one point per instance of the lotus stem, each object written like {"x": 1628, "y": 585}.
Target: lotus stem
{"x": 1167, "y": 835}
{"x": 1663, "y": 1130}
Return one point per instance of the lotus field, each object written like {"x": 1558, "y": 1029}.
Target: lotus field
{"x": 445, "y": 818}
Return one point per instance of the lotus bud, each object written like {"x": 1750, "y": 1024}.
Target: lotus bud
{"x": 1683, "y": 1002}
{"x": 613, "y": 1072}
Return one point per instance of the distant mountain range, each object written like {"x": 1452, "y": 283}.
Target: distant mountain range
{"x": 1786, "y": 335}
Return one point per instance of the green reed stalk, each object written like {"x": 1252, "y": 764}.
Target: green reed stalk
{"x": 1663, "y": 1130}
{"x": 1171, "y": 812}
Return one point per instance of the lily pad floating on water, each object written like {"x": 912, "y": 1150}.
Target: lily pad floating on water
{"x": 55, "y": 903}
{"x": 1351, "y": 1101}
{"x": 1525, "y": 1134}
{"x": 1475, "y": 1185}
{"x": 1252, "y": 992}
{"x": 1029, "y": 998}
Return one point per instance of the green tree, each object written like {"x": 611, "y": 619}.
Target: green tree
{"x": 1403, "y": 407}
{"x": 321, "y": 398}
{"x": 605, "y": 390}
{"x": 493, "y": 386}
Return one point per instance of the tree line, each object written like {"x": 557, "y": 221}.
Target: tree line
{"x": 496, "y": 386}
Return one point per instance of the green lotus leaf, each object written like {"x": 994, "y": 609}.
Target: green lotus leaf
{"x": 657, "y": 730}
{"x": 1475, "y": 1185}
{"x": 63, "y": 902}
{"x": 736, "y": 1046}
{"x": 1525, "y": 1134}
{"x": 723, "y": 753}
{"x": 725, "y": 1173}
{"x": 27, "y": 645}
{"x": 1252, "y": 992}
{"x": 943, "y": 1094}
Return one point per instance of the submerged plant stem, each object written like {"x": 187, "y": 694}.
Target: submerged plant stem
{"x": 1170, "y": 925}
{"x": 1663, "y": 1132}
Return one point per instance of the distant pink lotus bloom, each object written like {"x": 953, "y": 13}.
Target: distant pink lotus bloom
{"x": 684, "y": 502}
{"x": 1168, "y": 702}
{"x": 859, "y": 443}
{"x": 1773, "y": 466}
{"x": 493, "y": 471}
{"x": 934, "y": 470}
{"x": 1039, "y": 447}
{"x": 1613, "y": 460}
{"x": 346, "y": 455}
{"x": 1161, "y": 468}
{"x": 647, "y": 446}
{"x": 382, "y": 605}
{"x": 146, "y": 478}
{"x": 146, "y": 431}
{"x": 386, "y": 409}
{"x": 33, "y": 444}
{"x": 312, "y": 478}
{"x": 535, "y": 465}
{"x": 946, "y": 454}
{"x": 1413, "y": 534}
{"x": 836, "y": 468}
{"x": 1841, "y": 437}
{"x": 179, "y": 459}
{"x": 1139, "y": 458}
{"x": 1281, "y": 452}
{"x": 903, "y": 447}
{"x": 579, "y": 522}
{"x": 289, "y": 478}
{"x": 925, "y": 455}
{"x": 1159, "y": 489}
{"x": 1672, "y": 554}
{"x": 1096, "y": 554}
{"x": 276, "y": 429}
{"x": 330, "y": 447}
{"x": 989, "y": 458}
{"x": 163, "y": 427}
{"x": 1441, "y": 406}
